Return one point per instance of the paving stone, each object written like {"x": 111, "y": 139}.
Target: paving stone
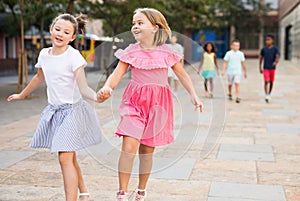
{"x": 276, "y": 101}
{"x": 274, "y": 94}
{"x": 246, "y": 152}
{"x": 106, "y": 146}
{"x": 253, "y": 192}
{"x": 9, "y": 158}
{"x": 282, "y": 112}
{"x": 29, "y": 134}
{"x": 167, "y": 168}
{"x": 283, "y": 128}
{"x": 27, "y": 193}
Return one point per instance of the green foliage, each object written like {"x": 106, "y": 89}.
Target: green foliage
{"x": 182, "y": 15}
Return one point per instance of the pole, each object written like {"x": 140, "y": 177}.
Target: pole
{"x": 261, "y": 16}
{"x": 22, "y": 55}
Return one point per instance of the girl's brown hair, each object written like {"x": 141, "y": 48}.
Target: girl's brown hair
{"x": 78, "y": 22}
{"x": 156, "y": 18}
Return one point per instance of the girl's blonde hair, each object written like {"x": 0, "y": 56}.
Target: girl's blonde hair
{"x": 156, "y": 18}
{"x": 78, "y": 22}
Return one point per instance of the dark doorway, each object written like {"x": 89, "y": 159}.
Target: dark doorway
{"x": 288, "y": 43}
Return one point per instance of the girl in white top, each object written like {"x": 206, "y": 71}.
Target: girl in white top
{"x": 68, "y": 124}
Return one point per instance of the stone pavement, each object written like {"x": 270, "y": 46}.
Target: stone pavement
{"x": 231, "y": 152}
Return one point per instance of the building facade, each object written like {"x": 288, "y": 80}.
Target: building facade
{"x": 289, "y": 29}
{"x": 9, "y": 50}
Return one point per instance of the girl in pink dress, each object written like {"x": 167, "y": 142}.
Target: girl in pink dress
{"x": 147, "y": 106}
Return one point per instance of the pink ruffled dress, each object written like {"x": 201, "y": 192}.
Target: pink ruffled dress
{"x": 147, "y": 105}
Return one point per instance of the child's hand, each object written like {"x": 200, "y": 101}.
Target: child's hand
{"x": 196, "y": 101}
{"x": 223, "y": 73}
{"x": 104, "y": 93}
{"x": 15, "y": 97}
{"x": 245, "y": 75}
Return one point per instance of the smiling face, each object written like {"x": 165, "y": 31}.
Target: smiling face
{"x": 62, "y": 32}
{"x": 142, "y": 29}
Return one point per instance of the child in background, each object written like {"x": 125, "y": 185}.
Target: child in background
{"x": 234, "y": 60}
{"x": 171, "y": 75}
{"x": 270, "y": 55}
{"x": 68, "y": 124}
{"x": 146, "y": 109}
{"x": 209, "y": 67}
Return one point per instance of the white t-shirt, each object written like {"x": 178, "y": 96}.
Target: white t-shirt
{"x": 177, "y": 47}
{"x": 234, "y": 59}
{"x": 59, "y": 75}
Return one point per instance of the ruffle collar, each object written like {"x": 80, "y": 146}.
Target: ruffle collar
{"x": 161, "y": 57}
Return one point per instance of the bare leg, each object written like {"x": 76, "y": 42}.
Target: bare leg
{"x": 271, "y": 87}
{"x": 267, "y": 87}
{"x": 211, "y": 83}
{"x": 81, "y": 185}
{"x": 70, "y": 176}
{"x": 146, "y": 156}
{"x": 237, "y": 88}
{"x": 205, "y": 85}
{"x": 175, "y": 85}
{"x": 129, "y": 149}
{"x": 230, "y": 89}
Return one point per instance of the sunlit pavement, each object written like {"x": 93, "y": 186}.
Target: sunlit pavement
{"x": 238, "y": 152}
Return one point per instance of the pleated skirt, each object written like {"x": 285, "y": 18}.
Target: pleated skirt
{"x": 67, "y": 128}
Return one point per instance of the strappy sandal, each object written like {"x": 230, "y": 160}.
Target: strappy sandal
{"x": 122, "y": 196}
{"x": 140, "y": 195}
{"x": 86, "y": 194}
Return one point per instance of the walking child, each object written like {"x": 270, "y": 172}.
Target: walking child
{"x": 147, "y": 107}
{"x": 209, "y": 68}
{"x": 234, "y": 61}
{"x": 68, "y": 124}
{"x": 270, "y": 55}
{"x": 171, "y": 75}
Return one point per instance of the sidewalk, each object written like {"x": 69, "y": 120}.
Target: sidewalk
{"x": 231, "y": 152}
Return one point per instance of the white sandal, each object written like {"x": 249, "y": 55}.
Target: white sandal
{"x": 83, "y": 194}
{"x": 122, "y": 196}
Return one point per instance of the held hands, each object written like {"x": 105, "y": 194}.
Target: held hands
{"x": 15, "y": 97}
{"x": 223, "y": 73}
{"x": 103, "y": 94}
{"x": 198, "y": 104}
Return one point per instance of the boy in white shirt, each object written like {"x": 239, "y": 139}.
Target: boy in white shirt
{"x": 234, "y": 61}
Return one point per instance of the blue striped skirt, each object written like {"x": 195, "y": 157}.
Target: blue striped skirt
{"x": 67, "y": 127}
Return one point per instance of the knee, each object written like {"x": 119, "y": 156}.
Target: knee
{"x": 145, "y": 150}
{"x": 65, "y": 158}
{"x": 129, "y": 149}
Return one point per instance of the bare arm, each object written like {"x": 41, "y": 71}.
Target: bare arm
{"x": 216, "y": 64}
{"x": 276, "y": 59}
{"x": 244, "y": 69}
{"x": 224, "y": 67}
{"x": 113, "y": 80}
{"x": 261, "y": 58}
{"x": 187, "y": 83}
{"x": 35, "y": 82}
{"x": 84, "y": 89}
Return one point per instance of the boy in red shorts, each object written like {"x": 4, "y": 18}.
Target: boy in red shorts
{"x": 270, "y": 55}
